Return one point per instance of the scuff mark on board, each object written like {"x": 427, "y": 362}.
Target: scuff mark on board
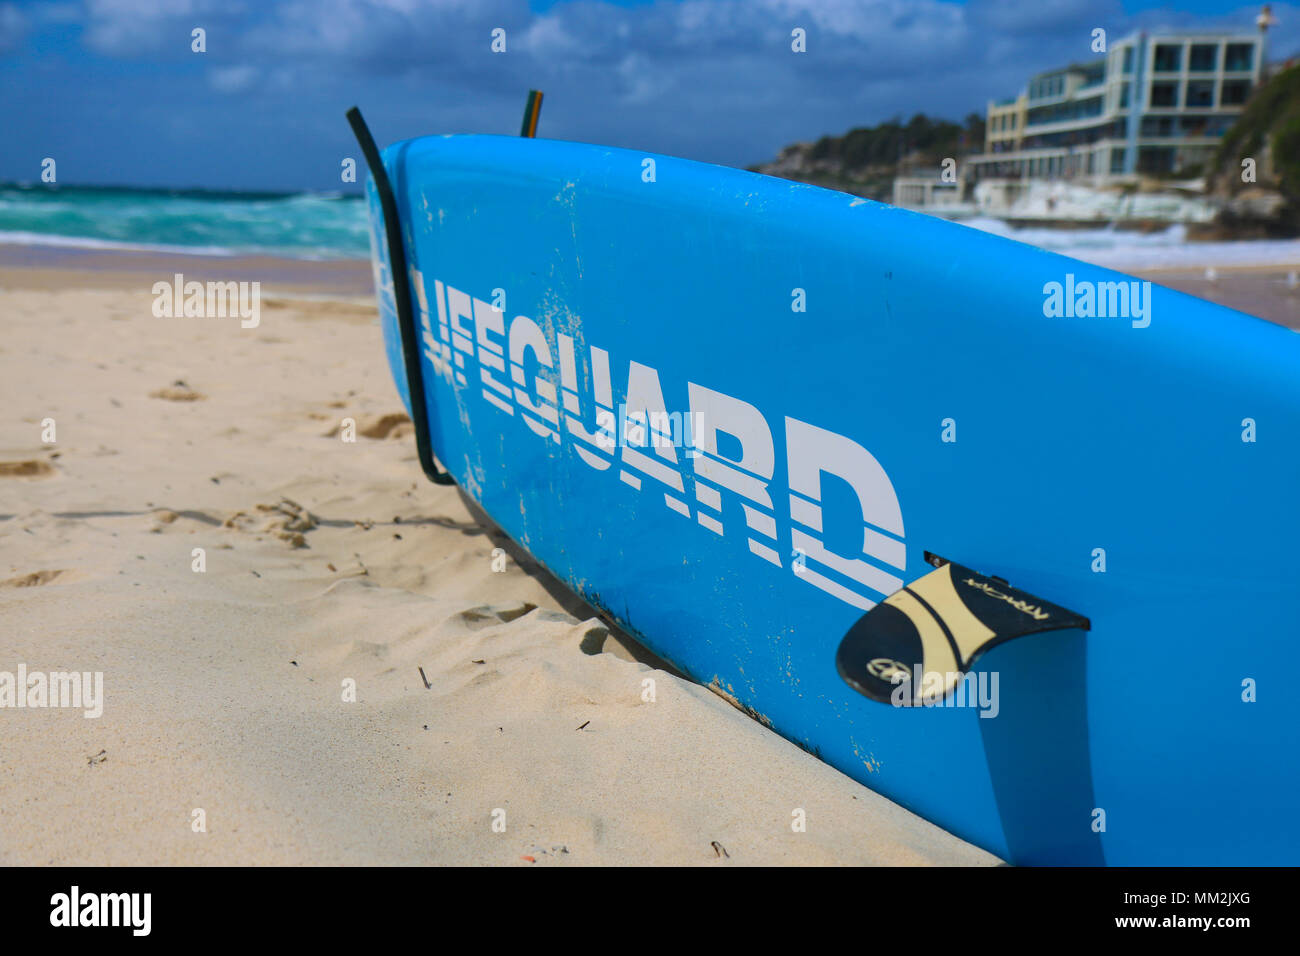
{"x": 869, "y": 759}
{"x": 730, "y": 697}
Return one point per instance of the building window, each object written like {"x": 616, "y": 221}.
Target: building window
{"x": 1117, "y": 160}
{"x": 1168, "y": 58}
{"x": 1157, "y": 126}
{"x": 1156, "y": 159}
{"x": 1217, "y": 127}
{"x": 1128, "y": 59}
{"x": 1240, "y": 56}
{"x": 1123, "y": 95}
{"x": 1164, "y": 94}
{"x": 1234, "y": 92}
{"x": 1200, "y": 93}
{"x": 1203, "y": 58}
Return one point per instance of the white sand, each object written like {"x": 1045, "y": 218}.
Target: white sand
{"x": 224, "y": 689}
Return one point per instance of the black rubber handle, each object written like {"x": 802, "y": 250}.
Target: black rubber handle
{"x": 402, "y": 299}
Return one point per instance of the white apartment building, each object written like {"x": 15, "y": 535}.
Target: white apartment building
{"x": 1155, "y": 104}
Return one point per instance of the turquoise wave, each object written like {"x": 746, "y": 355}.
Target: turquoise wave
{"x": 293, "y": 225}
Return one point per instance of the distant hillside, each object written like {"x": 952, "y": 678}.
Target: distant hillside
{"x": 1269, "y": 133}
{"x": 864, "y": 161}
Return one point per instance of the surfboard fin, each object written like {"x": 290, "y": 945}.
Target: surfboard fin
{"x": 532, "y": 111}
{"x": 914, "y": 647}
{"x": 401, "y": 299}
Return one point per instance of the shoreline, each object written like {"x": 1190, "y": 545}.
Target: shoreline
{"x": 1258, "y": 289}
{"x": 70, "y": 267}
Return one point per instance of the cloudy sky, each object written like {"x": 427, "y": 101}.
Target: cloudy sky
{"x": 112, "y": 90}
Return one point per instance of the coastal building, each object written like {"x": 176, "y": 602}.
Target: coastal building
{"x": 928, "y": 190}
{"x": 1154, "y": 104}
{"x": 1005, "y": 124}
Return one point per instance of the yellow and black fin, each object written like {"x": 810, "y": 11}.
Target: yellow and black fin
{"x": 914, "y": 647}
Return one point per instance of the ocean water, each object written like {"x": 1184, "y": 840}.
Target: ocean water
{"x": 296, "y": 226}
{"x": 318, "y": 226}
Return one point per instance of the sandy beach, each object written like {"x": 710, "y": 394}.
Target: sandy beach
{"x": 483, "y": 692}
{"x": 362, "y": 671}
{"x": 1264, "y": 291}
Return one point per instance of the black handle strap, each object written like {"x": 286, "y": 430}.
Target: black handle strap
{"x": 401, "y": 298}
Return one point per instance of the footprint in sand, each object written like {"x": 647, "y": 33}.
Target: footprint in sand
{"x": 34, "y": 468}
{"x": 391, "y": 425}
{"x": 178, "y": 391}
{"x": 286, "y": 520}
{"x": 33, "y": 580}
{"x": 486, "y": 615}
